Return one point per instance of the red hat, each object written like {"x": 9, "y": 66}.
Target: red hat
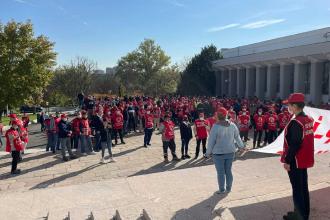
{"x": 12, "y": 116}
{"x": 223, "y": 111}
{"x": 64, "y": 116}
{"x": 295, "y": 98}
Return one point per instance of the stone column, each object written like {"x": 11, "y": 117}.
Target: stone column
{"x": 299, "y": 70}
{"x": 317, "y": 69}
{"x": 241, "y": 78}
{"x": 224, "y": 82}
{"x": 217, "y": 82}
{"x": 260, "y": 81}
{"x": 250, "y": 82}
{"x": 285, "y": 79}
{"x": 232, "y": 82}
{"x": 272, "y": 73}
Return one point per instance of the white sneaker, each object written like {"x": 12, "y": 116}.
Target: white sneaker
{"x": 111, "y": 160}
{"x": 103, "y": 161}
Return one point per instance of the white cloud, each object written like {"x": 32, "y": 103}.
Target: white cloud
{"x": 177, "y": 4}
{"x": 85, "y": 23}
{"x": 221, "y": 28}
{"x": 20, "y": 1}
{"x": 262, "y": 23}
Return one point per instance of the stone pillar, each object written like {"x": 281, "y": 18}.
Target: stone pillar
{"x": 241, "y": 78}
{"x": 299, "y": 70}
{"x": 285, "y": 79}
{"x": 272, "y": 74}
{"x": 224, "y": 82}
{"x": 260, "y": 81}
{"x": 232, "y": 82}
{"x": 317, "y": 69}
{"x": 217, "y": 82}
{"x": 250, "y": 82}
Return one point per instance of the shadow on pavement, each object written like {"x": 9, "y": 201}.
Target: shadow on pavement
{"x": 127, "y": 151}
{"x": 266, "y": 210}
{"x": 33, "y": 169}
{"x": 202, "y": 210}
{"x": 275, "y": 209}
{"x": 63, "y": 177}
{"x": 26, "y": 159}
{"x": 191, "y": 163}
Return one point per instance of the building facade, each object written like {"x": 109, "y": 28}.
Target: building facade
{"x": 275, "y": 68}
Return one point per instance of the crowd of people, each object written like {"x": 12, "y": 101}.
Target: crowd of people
{"x": 220, "y": 125}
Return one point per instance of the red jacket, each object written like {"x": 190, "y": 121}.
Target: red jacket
{"x": 232, "y": 115}
{"x": 271, "y": 122}
{"x": 13, "y": 134}
{"x": 76, "y": 126}
{"x": 283, "y": 119}
{"x": 84, "y": 127}
{"x": 149, "y": 121}
{"x": 168, "y": 133}
{"x": 305, "y": 155}
{"x": 259, "y": 121}
{"x": 201, "y": 128}
{"x": 211, "y": 121}
{"x": 118, "y": 121}
{"x": 243, "y": 122}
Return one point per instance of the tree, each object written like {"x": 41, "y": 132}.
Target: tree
{"x": 26, "y": 63}
{"x": 69, "y": 80}
{"x": 142, "y": 68}
{"x": 198, "y": 78}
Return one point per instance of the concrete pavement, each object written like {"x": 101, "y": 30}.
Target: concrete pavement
{"x": 139, "y": 179}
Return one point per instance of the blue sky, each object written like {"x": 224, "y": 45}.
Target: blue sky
{"x": 105, "y": 30}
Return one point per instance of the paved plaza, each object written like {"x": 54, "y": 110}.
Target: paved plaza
{"x": 140, "y": 180}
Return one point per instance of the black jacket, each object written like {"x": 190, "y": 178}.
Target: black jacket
{"x": 186, "y": 131}
{"x": 294, "y": 138}
{"x": 64, "y": 129}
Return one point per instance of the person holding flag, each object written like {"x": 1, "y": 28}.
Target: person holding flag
{"x": 298, "y": 155}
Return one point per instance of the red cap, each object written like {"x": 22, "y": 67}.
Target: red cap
{"x": 295, "y": 98}
{"x": 63, "y": 116}
{"x": 15, "y": 122}
{"x": 12, "y": 116}
{"x": 223, "y": 111}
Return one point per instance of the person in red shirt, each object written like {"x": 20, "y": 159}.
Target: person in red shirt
{"x": 200, "y": 130}
{"x": 212, "y": 120}
{"x": 298, "y": 155}
{"x": 283, "y": 119}
{"x": 271, "y": 126}
{"x": 258, "y": 122}
{"x": 148, "y": 127}
{"x": 243, "y": 121}
{"x": 75, "y": 125}
{"x": 167, "y": 130}
{"x": 118, "y": 124}
{"x": 14, "y": 145}
{"x": 232, "y": 115}
{"x": 85, "y": 134}
{"x": 157, "y": 115}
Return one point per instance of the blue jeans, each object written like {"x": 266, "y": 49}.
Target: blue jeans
{"x": 86, "y": 142}
{"x": 223, "y": 164}
{"x": 51, "y": 141}
{"x": 147, "y": 135}
{"x": 97, "y": 146}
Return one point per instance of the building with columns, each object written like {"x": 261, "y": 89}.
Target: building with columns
{"x": 275, "y": 68}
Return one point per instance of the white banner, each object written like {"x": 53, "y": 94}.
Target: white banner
{"x": 321, "y": 133}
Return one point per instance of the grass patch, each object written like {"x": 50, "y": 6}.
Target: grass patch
{"x": 5, "y": 120}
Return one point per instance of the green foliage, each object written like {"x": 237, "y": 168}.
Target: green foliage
{"x": 25, "y": 64}
{"x": 198, "y": 78}
{"x": 147, "y": 69}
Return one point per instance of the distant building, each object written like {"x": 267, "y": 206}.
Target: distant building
{"x": 111, "y": 70}
{"x": 275, "y": 68}
{"x": 99, "y": 72}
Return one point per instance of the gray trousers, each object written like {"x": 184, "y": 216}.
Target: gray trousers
{"x": 66, "y": 145}
{"x": 86, "y": 141}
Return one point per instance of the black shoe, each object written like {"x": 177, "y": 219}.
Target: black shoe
{"x": 187, "y": 156}
{"x": 65, "y": 159}
{"x": 149, "y": 144}
{"x": 196, "y": 157}
{"x": 16, "y": 172}
{"x": 123, "y": 142}
{"x": 53, "y": 152}
{"x": 291, "y": 216}
{"x": 145, "y": 146}
{"x": 183, "y": 157}
{"x": 73, "y": 157}
{"x": 166, "y": 160}
{"x": 176, "y": 158}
